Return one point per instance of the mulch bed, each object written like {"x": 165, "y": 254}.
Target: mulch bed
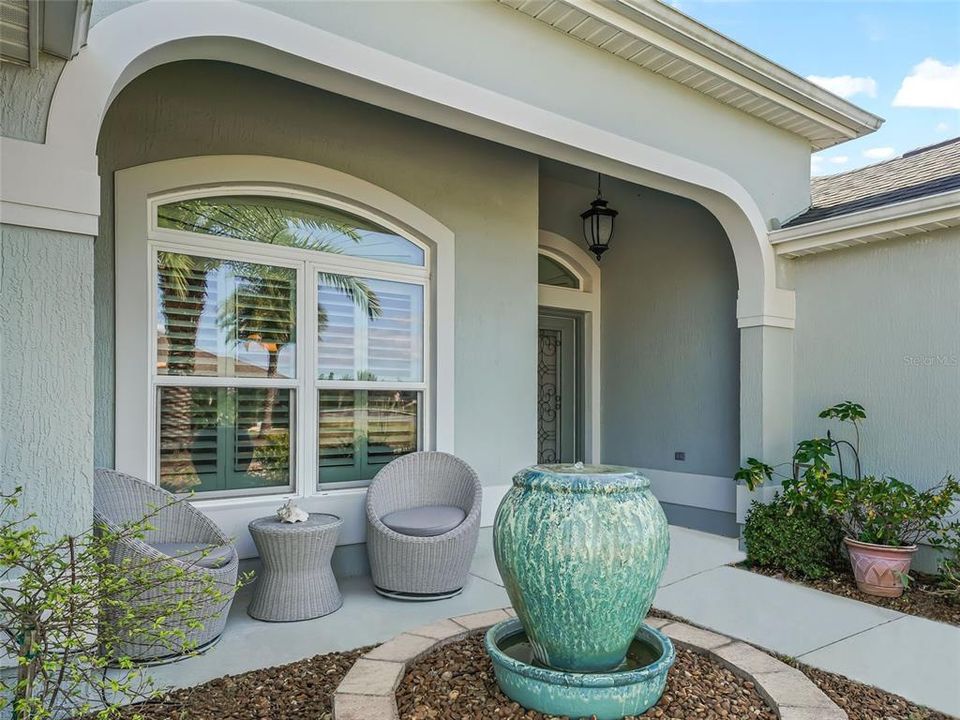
{"x": 456, "y": 682}
{"x": 917, "y": 600}
{"x": 299, "y": 691}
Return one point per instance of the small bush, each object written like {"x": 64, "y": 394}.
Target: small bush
{"x": 797, "y": 541}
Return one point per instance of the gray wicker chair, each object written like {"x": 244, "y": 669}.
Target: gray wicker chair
{"x": 181, "y": 535}
{"x": 422, "y": 568}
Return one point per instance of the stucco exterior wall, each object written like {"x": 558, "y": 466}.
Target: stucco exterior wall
{"x": 880, "y": 324}
{"x": 46, "y": 371}
{"x": 503, "y": 50}
{"x": 25, "y": 95}
{"x": 486, "y": 194}
{"x": 670, "y": 344}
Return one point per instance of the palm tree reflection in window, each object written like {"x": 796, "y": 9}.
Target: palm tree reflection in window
{"x": 260, "y": 311}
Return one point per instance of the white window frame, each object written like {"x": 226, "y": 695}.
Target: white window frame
{"x": 138, "y": 237}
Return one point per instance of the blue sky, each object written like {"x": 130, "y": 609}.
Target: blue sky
{"x": 899, "y": 60}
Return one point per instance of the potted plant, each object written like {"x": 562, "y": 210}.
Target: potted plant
{"x": 883, "y": 519}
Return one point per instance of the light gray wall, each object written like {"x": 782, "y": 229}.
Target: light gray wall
{"x": 880, "y": 324}
{"x": 501, "y": 49}
{"x": 669, "y": 330}
{"x": 25, "y": 95}
{"x": 486, "y": 194}
{"x": 46, "y": 371}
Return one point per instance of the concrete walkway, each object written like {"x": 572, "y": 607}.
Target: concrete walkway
{"x": 918, "y": 659}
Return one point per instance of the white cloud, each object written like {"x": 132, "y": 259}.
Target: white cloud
{"x": 824, "y": 165}
{"x": 846, "y": 85}
{"x": 942, "y": 127}
{"x": 931, "y": 84}
{"x": 879, "y": 153}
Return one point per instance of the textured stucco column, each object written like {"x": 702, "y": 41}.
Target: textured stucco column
{"x": 766, "y": 400}
{"x": 46, "y": 374}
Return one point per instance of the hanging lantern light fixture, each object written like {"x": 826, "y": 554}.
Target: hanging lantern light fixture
{"x": 598, "y": 224}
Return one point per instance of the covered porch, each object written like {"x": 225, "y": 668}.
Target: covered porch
{"x": 829, "y": 632}
{"x": 685, "y": 368}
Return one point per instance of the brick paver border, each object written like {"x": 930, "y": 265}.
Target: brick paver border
{"x": 368, "y": 691}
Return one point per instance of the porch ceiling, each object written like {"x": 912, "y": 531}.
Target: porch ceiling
{"x": 662, "y": 40}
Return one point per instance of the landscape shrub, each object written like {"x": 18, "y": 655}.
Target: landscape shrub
{"x": 799, "y": 541}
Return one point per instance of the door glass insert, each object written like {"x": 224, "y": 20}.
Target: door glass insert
{"x": 548, "y": 396}
{"x": 559, "y": 404}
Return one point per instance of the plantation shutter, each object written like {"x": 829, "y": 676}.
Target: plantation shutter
{"x": 189, "y": 443}
{"x": 265, "y": 306}
{"x": 336, "y": 337}
{"x": 248, "y": 433}
{"x": 184, "y": 292}
{"x": 339, "y": 455}
{"x": 391, "y": 419}
{"x": 391, "y": 343}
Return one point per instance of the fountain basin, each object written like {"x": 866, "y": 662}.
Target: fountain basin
{"x": 611, "y": 695}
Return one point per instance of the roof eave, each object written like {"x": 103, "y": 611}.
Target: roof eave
{"x": 741, "y": 59}
{"x": 809, "y": 111}
{"x": 924, "y": 214}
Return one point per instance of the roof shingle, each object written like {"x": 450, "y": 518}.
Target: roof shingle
{"x": 926, "y": 171}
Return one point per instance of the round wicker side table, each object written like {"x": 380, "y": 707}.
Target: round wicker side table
{"x": 296, "y": 582}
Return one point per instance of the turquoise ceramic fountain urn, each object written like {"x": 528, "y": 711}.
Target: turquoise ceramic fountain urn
{"x": 581, "y": 550}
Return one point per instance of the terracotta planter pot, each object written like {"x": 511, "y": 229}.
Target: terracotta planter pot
{"x": 878, "y": 568}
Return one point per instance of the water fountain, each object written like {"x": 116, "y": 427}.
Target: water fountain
{"x": 581, "y": 549}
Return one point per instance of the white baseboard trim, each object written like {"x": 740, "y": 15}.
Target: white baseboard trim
{"x": 710, "y": 492}
{"x": 492, "y": 495}
{"x": 233, "y": 516}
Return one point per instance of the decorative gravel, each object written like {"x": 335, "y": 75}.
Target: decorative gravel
{"x": 299, "y": 691}
{"x": 456, "y": 682}
{"x": 917, "y": 600}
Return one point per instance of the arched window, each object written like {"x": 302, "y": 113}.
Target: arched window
{"x": 283, "y": 329}
{"x": 550, "y": 271}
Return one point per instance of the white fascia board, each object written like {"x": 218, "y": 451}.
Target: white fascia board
{"x": 38, "y": 191}
{"x": 904, "y": 218}
{"x": 672, "y": 31}
{"x": 750, "y": 64}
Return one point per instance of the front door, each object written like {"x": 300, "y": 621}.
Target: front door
{"x": 558, "y": 392}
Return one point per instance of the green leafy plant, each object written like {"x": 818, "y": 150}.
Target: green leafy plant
{"x": 886, "y": 511}
{"x": 812, "y": 459}
{"x": 878, "y": 510}
{"x": 802, "y": 542}
{"x": 847, "y": 411}
{"x": 68, "y": 611}
{"x": 949, "y": 567}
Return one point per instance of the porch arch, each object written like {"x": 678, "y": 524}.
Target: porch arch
{"x": 135, "y": 39}
{"x": 58, "y": 183}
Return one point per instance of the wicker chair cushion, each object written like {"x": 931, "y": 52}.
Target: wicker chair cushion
{"x": 424, "y": 521}
{"x": 206, "y": 556}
